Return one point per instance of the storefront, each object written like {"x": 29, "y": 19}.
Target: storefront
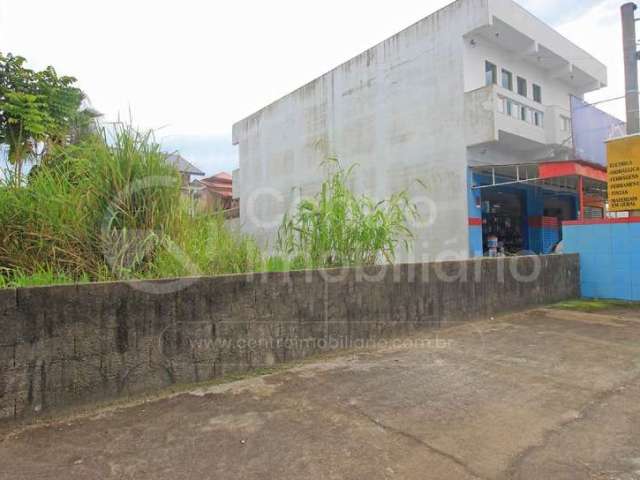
{"x": 522, "y": 207}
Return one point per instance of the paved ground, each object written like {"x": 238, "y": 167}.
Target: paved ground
{"x": 540, "y": 395}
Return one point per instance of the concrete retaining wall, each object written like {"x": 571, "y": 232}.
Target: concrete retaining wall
{"x": 63, "y": 345}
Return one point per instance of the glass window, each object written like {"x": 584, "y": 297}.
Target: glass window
{"x": 538, "y": 119}
{"x": 517, "y": 108}
{"x": 507, "y": 79}
{"x": 501, "y": 104}
{"x": 491, "y": 73}
{"x": 522, "y": 87}
{"x": 537, "y": 93}
{"x": 565, "y": 123}
{"x": 509, "y": 108}
{"x": 524, "y": 113}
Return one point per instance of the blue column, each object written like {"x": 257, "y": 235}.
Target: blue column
{"x": 534, "y": 208}
{"x": 475, "y": 217}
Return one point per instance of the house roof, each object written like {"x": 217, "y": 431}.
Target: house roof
{"x": 222, "y": 186}
{"x": 183, "y": 165}
{"x": 222, "y": 176}
{"x": 220, "y": 183}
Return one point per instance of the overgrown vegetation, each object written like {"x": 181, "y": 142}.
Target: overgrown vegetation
{"x": 101, "y": 205}
{"x": 339, "y": 228}
{"x": 38, "y": 110}
{"x": 111, "y": 208}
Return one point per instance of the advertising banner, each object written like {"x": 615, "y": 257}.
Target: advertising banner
{"x": 624, "y": 173}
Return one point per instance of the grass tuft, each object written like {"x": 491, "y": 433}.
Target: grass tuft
{"x": 596, "y": 305}
{"x": 338, "y": 228}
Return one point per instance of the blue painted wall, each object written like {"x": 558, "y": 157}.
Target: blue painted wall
{"x": 475, "y": 212}
{"x": 542, "y": 240}
{"x": 609, "y": 258}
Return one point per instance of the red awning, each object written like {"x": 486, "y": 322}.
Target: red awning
{"x": 572, "y": 168}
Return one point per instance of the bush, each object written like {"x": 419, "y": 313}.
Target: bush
{"x": 205, "y": 246}
{"x": 339, "y": 228}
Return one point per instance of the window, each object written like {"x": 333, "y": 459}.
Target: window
{"x": 593, "y": 212}
{"x": 520, "y": 112}
{"x": 522, "y": 87}
{"x": 517, "y": 108}
{"x": 538, "y": 119}
{"x": 537, "y": 93}
{"x": 510, "y": 108}
{"x": 565, "y": 123}
{"x": 507, "y": 79}
{"x": 491, "y": 73}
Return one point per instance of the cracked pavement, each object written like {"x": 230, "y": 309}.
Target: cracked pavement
{"x": 544, "y": 394}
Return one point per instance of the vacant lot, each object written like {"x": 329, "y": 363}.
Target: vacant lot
{"x": 547, "y": 394}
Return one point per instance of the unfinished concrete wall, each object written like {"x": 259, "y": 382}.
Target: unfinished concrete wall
{"x": 397, "y": 110}
{"x": 72, "y": 344}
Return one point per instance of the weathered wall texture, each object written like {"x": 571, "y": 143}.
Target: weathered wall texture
{"x": 72, "y": 344}
{"x": 397, "y": 110}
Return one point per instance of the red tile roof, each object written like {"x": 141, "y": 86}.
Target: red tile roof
{"x": 220, "y": 183}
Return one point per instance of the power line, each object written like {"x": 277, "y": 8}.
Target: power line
{"x": 609, "y": 100}
{"x": 586, "y": 104}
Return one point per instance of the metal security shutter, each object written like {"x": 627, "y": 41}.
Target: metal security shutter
{"x": 593, "y": 212}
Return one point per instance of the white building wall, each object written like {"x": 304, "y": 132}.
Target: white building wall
{"x": 513, "y": 14}
{"x": 396, "y": 111}
{"x": 554, "y": 91}
{"x": 515, "y": 40}
{"x": 400, "y": 111}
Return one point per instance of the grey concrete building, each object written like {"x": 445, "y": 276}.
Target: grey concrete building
{"x": 479, "y": 82}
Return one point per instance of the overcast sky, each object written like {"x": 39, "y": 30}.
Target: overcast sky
{"x": 191, "y": 68}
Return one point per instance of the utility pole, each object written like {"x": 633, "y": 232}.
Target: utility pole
{"x": 630, "y": 44}
{"x": 631, "y": 57}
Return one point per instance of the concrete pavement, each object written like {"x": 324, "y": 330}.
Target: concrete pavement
{"x": 545, "y": 394}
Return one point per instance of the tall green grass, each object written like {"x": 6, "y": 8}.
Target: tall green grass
{"x": 203, "y": 245}
{"x": 42, "y": 277}
{"x": 339, "y": 228}
{"x": 111, "y": 208}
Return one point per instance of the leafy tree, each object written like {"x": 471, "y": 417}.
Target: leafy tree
{"x": 25, "y": 125}
{"x": 62, "y": 101}
{"x": 37, "y": 110}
